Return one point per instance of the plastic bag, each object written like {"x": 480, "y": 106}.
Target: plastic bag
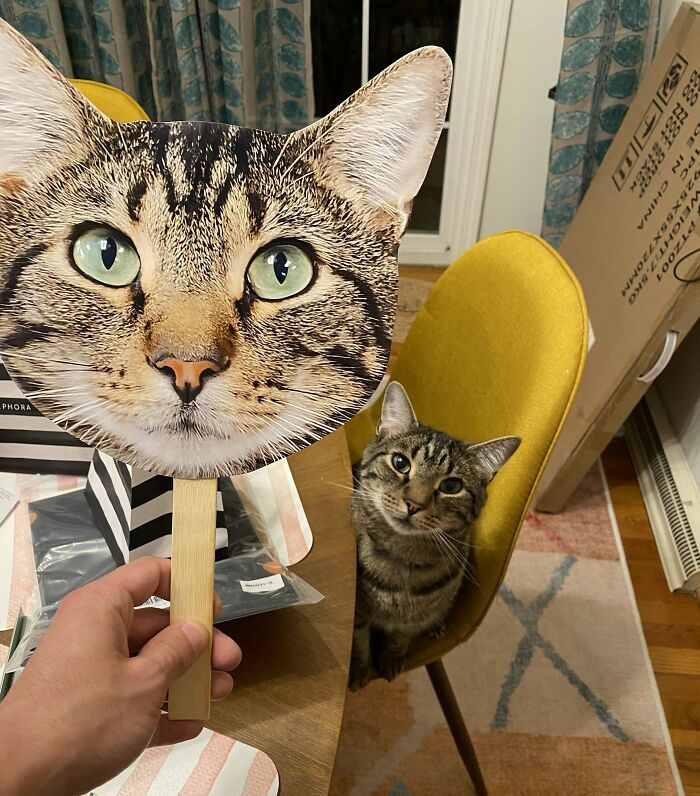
{"x": 250, "y": 583}
{"x": 71, "y": 551}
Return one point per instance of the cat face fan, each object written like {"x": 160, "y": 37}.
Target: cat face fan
{"x": 198, "y": 299}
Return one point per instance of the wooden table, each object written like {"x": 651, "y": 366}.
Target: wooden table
{"x": 290, "y": 688}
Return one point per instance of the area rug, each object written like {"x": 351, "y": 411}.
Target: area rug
{"x": 556, "y": 685}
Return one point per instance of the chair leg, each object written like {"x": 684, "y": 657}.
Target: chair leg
{"x": 453, "y": 716}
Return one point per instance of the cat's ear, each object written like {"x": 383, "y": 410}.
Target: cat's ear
{"x": 42, "y": 116}
{"x": 398, "y": 416}
{"x": 492, "y": 455}
{"x": 378, "y": 144}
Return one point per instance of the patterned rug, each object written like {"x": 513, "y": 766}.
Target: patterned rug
{"x": 555, "y": 686}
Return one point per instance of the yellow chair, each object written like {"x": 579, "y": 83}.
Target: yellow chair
{"x": 497, "y": 349}
{"x": 113, "y": 102}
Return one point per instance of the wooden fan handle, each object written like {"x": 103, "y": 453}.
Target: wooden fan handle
{"x": 192, "y": 587}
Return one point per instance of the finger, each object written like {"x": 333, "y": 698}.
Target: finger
{"x": 221, "y": 685}
{"x": 169, "y": 732}
{"x": 147, "y": 623}
{"x": 170, "y": 653}
{"x": 225, "y": 653}
{"x": 141, "y": 579}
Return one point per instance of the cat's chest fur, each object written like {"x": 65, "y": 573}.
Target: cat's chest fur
{"x": 404, "y": 587}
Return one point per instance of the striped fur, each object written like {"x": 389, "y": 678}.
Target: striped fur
{"x": 412, "y": 538}
{"x": 198, "y": 200}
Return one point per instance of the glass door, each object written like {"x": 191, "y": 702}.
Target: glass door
{"x": 353, "y": 40}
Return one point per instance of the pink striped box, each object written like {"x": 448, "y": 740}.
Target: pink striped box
{"x": 133, "y": 510}
{"x": 210, "y": 765}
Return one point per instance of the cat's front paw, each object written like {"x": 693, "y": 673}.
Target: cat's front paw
{"x": 359, "y": 676}
{"x": 437, "y": 631}
{"x": 390, "y": 664}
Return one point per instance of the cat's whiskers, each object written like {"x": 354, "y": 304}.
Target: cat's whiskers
{"x": 284, "y": 439}
{"x": 110, "y": 156}
{"x": 438, "y": 547}
{"x": 470, "y": 545}
{"x": 304, "y": 392}
{"x": 50, "y": 391}
{"x": 371, "y": 495}
{"x": 93, "y": 435}
{"x": 340, "y": 486}
{"x": 44, "y": 359}
{"x": 121, "y": 136}
{"x": 72, "y": 411}
{"x": 451, "y": 555}
{"x": 343, "y": 414}
{"x": 467, "y": 566}
{"x": 317, "y": 140}
{"x": 282, "y": 150}
{"x": 303, "y": 431}
{"x": 299, "y": 179}
{"x": 312, "y": 416}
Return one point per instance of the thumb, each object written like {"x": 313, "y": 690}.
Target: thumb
{"x": 171, "y": 652}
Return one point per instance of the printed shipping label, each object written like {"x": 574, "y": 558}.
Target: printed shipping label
{"x": 262, "y": 585}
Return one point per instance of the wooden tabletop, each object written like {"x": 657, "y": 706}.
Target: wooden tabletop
{"x": 290, "y": 688}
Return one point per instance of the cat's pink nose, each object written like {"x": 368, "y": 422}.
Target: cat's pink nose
{"x": 413, "y": 507}
{"x": 187, "y": 376}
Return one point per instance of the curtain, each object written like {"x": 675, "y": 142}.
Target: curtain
{"x": 244, "y": 62}
{"x": 607, "y": 46}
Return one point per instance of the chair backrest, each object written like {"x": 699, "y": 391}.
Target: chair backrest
{"x": 497, "y": 349}
{"x": 113, "y": 102}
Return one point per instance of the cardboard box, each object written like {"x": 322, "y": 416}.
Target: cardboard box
{"x": 635, "y": 238}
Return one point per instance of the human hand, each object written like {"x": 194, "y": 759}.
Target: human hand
{"x": 89, "y": 700}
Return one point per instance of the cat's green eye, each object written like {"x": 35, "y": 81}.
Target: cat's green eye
{"x": 451, "y": 485}
{"x": 400, "y": 463}
{"x": 280, "y": 271}
{"x": 107, "y": 256}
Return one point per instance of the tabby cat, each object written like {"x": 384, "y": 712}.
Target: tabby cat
{"x": 199, "y": 299}
{"x": 417, "y": 494}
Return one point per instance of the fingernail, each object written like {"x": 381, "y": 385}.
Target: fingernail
{"x": 197, "y": 635}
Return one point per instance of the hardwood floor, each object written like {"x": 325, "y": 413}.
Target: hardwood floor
{"x": 671, "y": 622}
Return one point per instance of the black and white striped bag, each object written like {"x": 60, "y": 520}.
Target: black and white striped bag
{"x": 30, "y": 442}
{"x": 134, "y": 509}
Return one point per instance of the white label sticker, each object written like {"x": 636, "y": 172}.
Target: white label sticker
{"x": 8, "y": 501}
{"x": 262, "y": 585}
{"x": 155, "y": 602}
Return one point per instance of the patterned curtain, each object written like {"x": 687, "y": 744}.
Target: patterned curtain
{"x": 245, "y": 62}
{"x": 607, "y": 46}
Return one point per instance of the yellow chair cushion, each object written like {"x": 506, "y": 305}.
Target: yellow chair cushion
{"x": 113, "y": 102}
{"x": 497, "y": 349}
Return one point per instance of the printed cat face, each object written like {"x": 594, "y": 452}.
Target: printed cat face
{"x": 422, "y": 481}
{"x": 197, "y": 299}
